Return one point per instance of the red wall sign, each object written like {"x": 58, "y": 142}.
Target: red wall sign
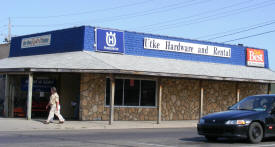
{"x": 255, "y": 57}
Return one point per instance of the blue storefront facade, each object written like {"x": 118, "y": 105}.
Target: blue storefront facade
{"x": 130, "y": 43}
{"x": 124, "y": 75}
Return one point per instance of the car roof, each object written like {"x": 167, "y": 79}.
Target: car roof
{"x": 265, "y": 95}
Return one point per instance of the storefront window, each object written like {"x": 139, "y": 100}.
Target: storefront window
{"x": 118, "y": 92}
{"x": 148, "y": 93}
{"x": 129, "y": 92}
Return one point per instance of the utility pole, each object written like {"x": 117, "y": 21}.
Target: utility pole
{"x": 9, "y": 33}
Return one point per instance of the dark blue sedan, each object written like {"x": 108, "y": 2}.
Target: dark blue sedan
{"x": 252, "y": 118}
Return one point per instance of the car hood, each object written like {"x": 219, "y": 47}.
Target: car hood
{"x": 233, "y": 115}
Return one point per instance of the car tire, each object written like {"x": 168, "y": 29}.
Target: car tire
{"x": 211, "y": 138}
{"x": 255, "y": 132}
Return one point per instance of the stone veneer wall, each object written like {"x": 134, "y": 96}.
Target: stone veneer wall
{"x": 92, "y": 102}
{"x": 92, "y": 97}
{"x": 180, "y": 101}
{"x": 248, "y": 89}
{"x": 218, "y": 95}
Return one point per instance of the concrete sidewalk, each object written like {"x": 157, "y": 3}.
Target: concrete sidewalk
{"x": 21, "y": 124}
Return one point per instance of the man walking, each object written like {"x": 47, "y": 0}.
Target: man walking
{"x": 55, "y": 109}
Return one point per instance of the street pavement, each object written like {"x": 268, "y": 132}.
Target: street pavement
{"x": 159, "y": 137}
{"x": 21, "y": 124}
{"x": 16, "y": 132}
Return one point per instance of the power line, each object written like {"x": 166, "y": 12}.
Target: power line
{"x": 87, "y": 12}
{"x": 2, "y": 20}
{"x": 214, "y": 17}
{"x": 153, "y": 11}
{"x": 3, "y": 26}
{"x": 198, "y": 14}
{"x": 252, "y": 28}
{"x": 232, "y": 30}
{"x": 49, "y": 25}
{"x": 1, "y": 34}
{"x": 3, "y": 29}
{"x": 130, "y": 15}
{"x": 267, "y": 32}
{"x": 222, "y": 15}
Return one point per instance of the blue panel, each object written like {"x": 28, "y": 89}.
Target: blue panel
{"x": 131, "y": 43}
{"x": 89, "y": 38}
{"x": 66, "y": 40}
{"x": 266, "y": 61}
{"x": 134, "y": 46}
{"x": 110, "y": 41}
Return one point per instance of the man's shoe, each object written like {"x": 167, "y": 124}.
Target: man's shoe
{"x": 45, "y": 122}
{"x": 61, "y": 122}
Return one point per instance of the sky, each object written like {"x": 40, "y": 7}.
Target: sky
{"x": 247, "y": 22}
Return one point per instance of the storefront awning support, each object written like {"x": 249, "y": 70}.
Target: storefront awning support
{"x": 112, "y": 98}
{"x": 201, "y": 99}
{"x": 29, "y": 106}
{"x": 7, "y": 92}
{"x": 238, "y": 92}
{"x": 159, "y": 101}
{"x": 269, "y": 89}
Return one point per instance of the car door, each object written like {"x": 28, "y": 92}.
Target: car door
{"x": 270, "y": 119}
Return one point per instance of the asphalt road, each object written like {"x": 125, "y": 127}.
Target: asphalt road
{"x": 127, "y": 138}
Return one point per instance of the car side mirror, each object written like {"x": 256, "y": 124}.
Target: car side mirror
{"x": 229, "y": 107}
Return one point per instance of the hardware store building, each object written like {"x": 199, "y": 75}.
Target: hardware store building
{"x": 121, "y": 75}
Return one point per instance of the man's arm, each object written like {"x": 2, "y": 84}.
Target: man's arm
{"x": 47, "y": 106}
{"x": 57, "y": 104}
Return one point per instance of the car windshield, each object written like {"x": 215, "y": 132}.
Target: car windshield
{"x": 255, "y": 103}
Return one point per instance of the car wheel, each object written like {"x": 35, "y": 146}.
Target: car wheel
{"x": 255, "y": 132}
{"x": 211, "y": 138}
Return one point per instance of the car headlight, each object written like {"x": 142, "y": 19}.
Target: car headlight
{"x": 201, "y": 121}
{"x": 238, "y": 122}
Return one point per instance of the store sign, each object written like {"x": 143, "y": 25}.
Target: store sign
{"x": 109, "y": 41}
{"x": 255, "y": 57}
{"x": 185, "y": 47}
{"x": 43, "y": 40}
{"x": 39, "y": 85}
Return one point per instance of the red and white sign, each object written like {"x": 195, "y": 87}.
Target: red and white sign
{"x": 255, "y": 57}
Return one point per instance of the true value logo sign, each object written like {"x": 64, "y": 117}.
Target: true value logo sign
{"x": 109, "y": 41}
{"x": 255, "y": 57}
{"x": 185, "y": 47}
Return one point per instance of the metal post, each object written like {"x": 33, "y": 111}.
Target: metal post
{"x": 159, "y": 102}
{"x": 201, "y": 99}
{"x": 269, "y": 88}
{"x": 238, "y": 92}
{"x": 112, "y": 98}
{"x": 7, "y": 92}
{"x": 12, "y": 94}
{"x": 29, "y": 107}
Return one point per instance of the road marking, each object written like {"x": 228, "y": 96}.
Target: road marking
{"x": 151, "y": 144}
{"x": 260, "y": 145}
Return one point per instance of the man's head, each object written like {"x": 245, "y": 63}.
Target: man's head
{"x": 53, "y": 90}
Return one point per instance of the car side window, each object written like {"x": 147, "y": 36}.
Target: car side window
{"x": 273, "y": 104}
